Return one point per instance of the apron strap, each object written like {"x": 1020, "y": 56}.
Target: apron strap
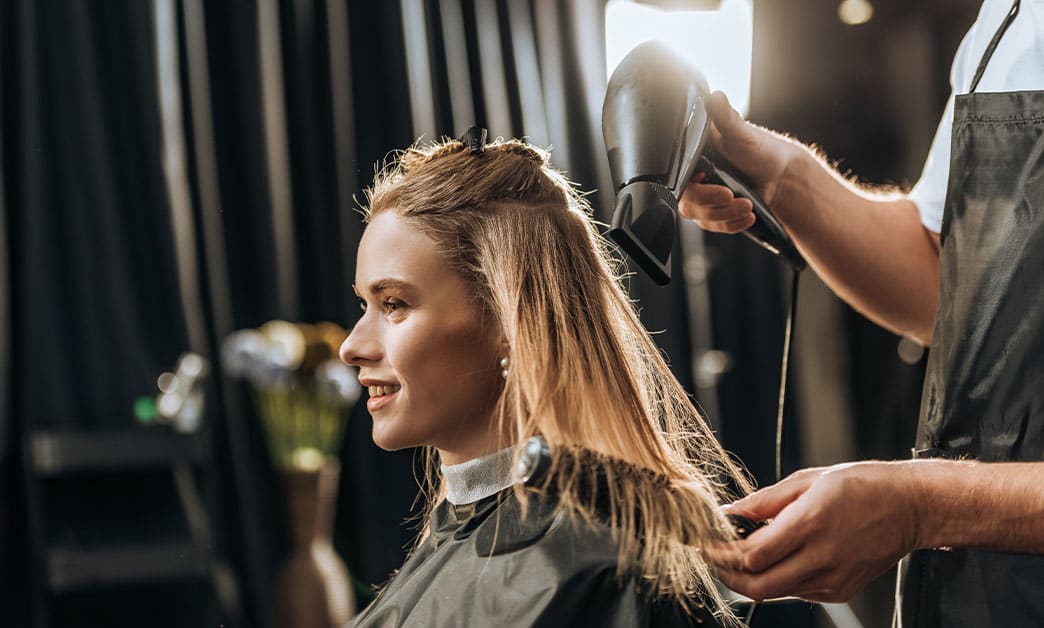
{"x": 993, "y": 45}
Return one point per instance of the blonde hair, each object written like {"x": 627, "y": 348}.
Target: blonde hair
{"x": 584, "y": 373}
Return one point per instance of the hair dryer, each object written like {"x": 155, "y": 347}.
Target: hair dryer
{"x": 654, "y": 123}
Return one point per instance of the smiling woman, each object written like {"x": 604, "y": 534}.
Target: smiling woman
{"x": 426, "y": 353}
{"x": 577, "y": 481}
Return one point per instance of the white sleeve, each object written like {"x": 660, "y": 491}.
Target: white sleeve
{"x": 930, "y": 192}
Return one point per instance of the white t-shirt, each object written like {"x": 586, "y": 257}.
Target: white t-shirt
{"x": 1017, "y": 65}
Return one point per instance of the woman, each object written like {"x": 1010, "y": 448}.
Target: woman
{"x": 492, "y": 317}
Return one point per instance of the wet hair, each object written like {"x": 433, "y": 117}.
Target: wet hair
{"x": 584, "y": 373}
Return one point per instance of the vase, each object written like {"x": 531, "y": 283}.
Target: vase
{"x": 314, "y": 590}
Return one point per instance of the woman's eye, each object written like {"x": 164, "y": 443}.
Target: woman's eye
{"x": 392, "y": 305}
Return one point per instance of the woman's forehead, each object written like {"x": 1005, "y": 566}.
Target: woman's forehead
{"x": 393, "y": 250}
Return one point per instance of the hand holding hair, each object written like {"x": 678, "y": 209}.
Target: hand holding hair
{"x": 833, "y": 530}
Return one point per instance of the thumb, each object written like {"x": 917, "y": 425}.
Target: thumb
{"x": 725, "y": 118}
{"x": 769, "y": 501}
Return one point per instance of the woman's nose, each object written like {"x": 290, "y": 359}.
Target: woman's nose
{"x": 361, "y": 346}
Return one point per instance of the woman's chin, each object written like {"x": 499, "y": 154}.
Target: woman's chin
{"x": 388, "y": 440}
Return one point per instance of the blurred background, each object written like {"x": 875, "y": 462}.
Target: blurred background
{"x": 174, "y": 171}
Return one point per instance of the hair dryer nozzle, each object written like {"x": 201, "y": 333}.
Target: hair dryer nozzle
{"x": 644, "y": 226}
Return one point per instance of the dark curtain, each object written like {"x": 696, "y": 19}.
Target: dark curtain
{"x": 174, "y": 170}
{"x": 94, "y": 308}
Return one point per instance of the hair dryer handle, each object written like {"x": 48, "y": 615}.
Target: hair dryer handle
{"x": 766, "y": 230}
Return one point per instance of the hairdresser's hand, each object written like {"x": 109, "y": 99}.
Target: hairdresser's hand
{"x": 835, "y": 529}
{"x": 759, "y": 154}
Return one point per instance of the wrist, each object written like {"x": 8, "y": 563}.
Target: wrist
{"x": 920, "y": 504}
{"x": 991, "y": 506}
{"x": 940, "y": 489}
{"x": 792, "y": 186}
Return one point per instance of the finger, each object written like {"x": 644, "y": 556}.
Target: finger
{"x": 772, "y": 544}
{"x": 699, "y": 194}
{"x": 724, "y": 556}
{"x": 715, "y": 137}
{"x": 795, "y": 576}
{"x": 767, "y": 502}
{"x": 731, "y": 578}
{"x": 740, "y": 208}
{"x": 725, "y": 118}
{"x": 815, "y": 592}
{"x": 740, "y": 222}
{"x": 818, "y": 588}
{"x": 715, "y": 207}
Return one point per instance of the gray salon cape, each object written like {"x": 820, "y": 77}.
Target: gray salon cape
{"x": 484, "y": 565}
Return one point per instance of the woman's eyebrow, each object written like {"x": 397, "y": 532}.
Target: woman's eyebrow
{"x": 389, "y": 284}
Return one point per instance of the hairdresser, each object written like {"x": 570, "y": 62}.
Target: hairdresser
{"x": 956, "y": 263}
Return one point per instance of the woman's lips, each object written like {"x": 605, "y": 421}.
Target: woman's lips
{"x": 376, "y": 403}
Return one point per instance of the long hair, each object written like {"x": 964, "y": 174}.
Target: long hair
{"x": 584, "y": 373}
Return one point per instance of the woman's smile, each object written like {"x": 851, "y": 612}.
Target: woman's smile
{"x": 381, "y": 396}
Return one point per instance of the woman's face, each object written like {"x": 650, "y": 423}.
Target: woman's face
{"x": 430, "y": 361}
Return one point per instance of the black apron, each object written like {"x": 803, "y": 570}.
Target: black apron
{"x": 984, "y": 387}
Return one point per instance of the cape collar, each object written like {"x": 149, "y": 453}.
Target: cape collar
{"x": 471, "y": 481}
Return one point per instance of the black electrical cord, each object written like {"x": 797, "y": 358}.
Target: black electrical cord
{"x": 750, "y": 614}
{"x": 784, "y": 369}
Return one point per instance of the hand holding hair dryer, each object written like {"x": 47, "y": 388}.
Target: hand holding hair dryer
{"x": 655, "y": 127}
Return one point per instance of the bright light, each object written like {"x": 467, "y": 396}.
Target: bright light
{"x": 718, "y": 42}
{"x": 855, "y": 12}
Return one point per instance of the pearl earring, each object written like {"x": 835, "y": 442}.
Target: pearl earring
{"x": 504, "y": 364}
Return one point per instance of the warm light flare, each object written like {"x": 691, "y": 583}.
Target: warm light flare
{"x": 719, "y": 42}
{"x": 855, "y": 12}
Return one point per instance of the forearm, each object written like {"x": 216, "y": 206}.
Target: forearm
{"x": 981, "y": 505}
{"x": 870, "y": 249}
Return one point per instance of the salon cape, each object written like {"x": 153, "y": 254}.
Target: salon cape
{"x": 485, "y": 565}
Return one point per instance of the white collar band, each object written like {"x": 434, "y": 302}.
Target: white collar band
{"x": 476, "y": 479}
